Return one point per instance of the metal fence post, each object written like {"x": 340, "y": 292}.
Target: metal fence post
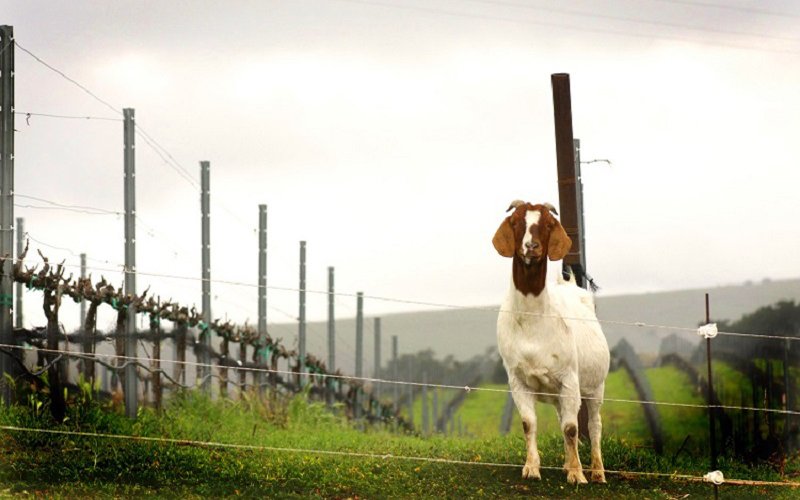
{"x": 83, "y": 301}
{"x": 377, "y": 358}
{"x": 410, "y": 391}
{"x": 301, "y": 336}
{"x": 6, "y": 201}
{"x": 19, "y": 317}
{"x": 155, "y": 328}
{"x": 359, "y": 334}
{"x": 436, "y": 426}
{"x": 359, "y": 346}
{"x": 331, "y": 323}
{"x": 261, "y": 358}
{"x": 205, "y": 331}
{"x": 331, "y": 337}
{"x": 395, "y": 368}
{"x": 425, "y": 416}
{"x": 712, "y": 432}
{"x": 131, "y": 378}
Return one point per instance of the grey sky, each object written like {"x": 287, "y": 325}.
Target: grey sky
{"x": 392, "y": 135}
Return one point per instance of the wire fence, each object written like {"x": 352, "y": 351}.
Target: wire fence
{"x": 375, "y": 380}
{"x": 710, "y": 478}
{"x": 231, "y": 333}
{"x": 414, "y": 302}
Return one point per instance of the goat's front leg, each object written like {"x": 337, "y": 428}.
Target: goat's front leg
{"x": 569, "y": 402}
{"x": 525, "y": 403}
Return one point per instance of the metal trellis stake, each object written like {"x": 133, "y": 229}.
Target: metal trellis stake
{"x": 331, "y": 335}
{"x": 425, "y": 415}
{"x": 131, "y": 378}
{"x": 395, "y": 375}
{"x": 331, "y": 323}
{"x": 359, "y": 346}
{"x": 301, "y": 334}
{"x": 712, "y": 431}
{"x": 262, "y": 293}
{"x": 377, "y": 358}
{"x": 359, "y": 334}
{"x": 6, "y": 200}
{"x": 83, "y": 276}
{"x": 19, "y": 318}
{"x": 205, "y": 332}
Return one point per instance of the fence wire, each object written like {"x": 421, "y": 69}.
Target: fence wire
{"x": 374, "y": 380}
{"x": 377, "y": 456}
{"x": 442, "y": 305}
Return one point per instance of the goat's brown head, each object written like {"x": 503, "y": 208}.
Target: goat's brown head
{"x": 531, "y": 233}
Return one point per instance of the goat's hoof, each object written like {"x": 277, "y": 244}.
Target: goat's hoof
{"x": 598, "y": 476}
{"x": 576, "y": 477}
{"x": 531, "y": 472}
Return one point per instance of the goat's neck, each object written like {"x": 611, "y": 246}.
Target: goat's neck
{"x": 529, "y": 279}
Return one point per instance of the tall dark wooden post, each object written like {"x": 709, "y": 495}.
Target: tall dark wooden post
{"x": 567, "y": 175}
{"x": 568, "y": 194}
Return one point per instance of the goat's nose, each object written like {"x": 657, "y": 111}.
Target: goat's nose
{"x": 532, "y": 245}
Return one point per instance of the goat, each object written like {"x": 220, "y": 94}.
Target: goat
{"x": 552, "y": 346}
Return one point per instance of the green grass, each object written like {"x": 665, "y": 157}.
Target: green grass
{"x": 624, "y": 420}
{"x": 731, "y": 385}
{"x": 482, "y": 410}
{"x": 72, "y": 466}
{"x": 672, "y": 385}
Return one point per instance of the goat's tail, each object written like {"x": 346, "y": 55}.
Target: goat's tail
{"x": 568, "y": 276}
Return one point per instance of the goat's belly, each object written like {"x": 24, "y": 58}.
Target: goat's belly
{"x": 545, "y": 387}
{"x": 537, "y": 377}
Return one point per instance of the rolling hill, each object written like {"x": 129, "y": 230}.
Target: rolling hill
{"x": 466, "y": 333}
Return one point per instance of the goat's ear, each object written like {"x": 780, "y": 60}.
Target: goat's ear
{"x": 559, "y": 243}
{"x": 503, "y": 240}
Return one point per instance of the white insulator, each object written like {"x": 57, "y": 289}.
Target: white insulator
{"x": 708, "y": 331}
{"x": 715, "y": 477}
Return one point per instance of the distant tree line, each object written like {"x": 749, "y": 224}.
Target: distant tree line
{"x": 772, "y": 366}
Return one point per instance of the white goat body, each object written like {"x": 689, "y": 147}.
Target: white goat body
{"x": 552, "y": 346}
{"x": 550, "y": 336}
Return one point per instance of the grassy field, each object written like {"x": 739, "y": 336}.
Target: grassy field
{"x": 482, "y": 409}
{"x": 74, "y": 466}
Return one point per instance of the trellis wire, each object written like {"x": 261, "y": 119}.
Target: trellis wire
{"x": 397, "y": 382}
{"x": 640, "y": 324}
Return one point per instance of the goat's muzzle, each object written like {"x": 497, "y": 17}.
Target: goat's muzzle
{"x": 532, "y": 252}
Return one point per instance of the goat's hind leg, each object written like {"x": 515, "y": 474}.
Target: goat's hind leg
{"x": 525, "y": 403}
{"x": 595, "y": 433}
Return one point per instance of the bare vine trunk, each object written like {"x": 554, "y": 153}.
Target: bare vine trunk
{"x": 58, "y": 405}
{"x": 155, "y": 329}
{"x": 119, "y": 349}
{"x": 89, "y": 332}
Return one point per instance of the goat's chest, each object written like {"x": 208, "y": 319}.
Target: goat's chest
{"x": 538, "y": 350}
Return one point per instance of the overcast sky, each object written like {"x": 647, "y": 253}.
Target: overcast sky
{"x": 392, "y": 135}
